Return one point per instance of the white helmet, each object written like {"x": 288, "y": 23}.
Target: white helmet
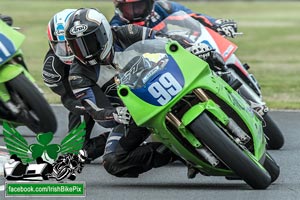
{"x": 56, "y": 36}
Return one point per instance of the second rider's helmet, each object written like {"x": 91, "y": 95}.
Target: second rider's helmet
{"x": 90, "y": 37}
{"x": 56, "y": 36}
{"x": 134, "y": 10}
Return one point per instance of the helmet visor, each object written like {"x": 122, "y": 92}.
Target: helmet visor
{"x": 135, "y": 11}
{"x": 63, "y": 51}
{"x": 61, "y": 48}
{"x": 90, "y": 46}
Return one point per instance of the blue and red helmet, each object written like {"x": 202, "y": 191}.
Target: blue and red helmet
{"x": 134, "y": 10}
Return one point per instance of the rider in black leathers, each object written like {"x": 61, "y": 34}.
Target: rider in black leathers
{"x": 95, "y": 44}
{"x": 55, "y": 75}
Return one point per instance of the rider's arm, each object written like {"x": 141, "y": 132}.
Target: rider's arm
{"x": 171, "y": 7}
{"x": 83, "y": 83}
{"x": 54, "y": 73}
{"x": 117, "y": 21}
{"x": 128, "y": 34}
{"x": 225, "y": 27}
{"x": 55, "y": 76}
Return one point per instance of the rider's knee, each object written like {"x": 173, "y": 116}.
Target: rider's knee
{"x": 112, "y": 165}
{"x": 116, "y": 167}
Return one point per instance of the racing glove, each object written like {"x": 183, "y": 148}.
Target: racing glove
{"x": 226, "y": 27}
{"x": 107, "y": 117}
{"x": 122, "y": 115}
{"x": 206, "y": 53}
{"x": 201, "y": 50}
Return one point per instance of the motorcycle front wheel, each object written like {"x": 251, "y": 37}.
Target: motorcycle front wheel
{"x": 39, "y": 116}
{"x": 272, "y": 167}
{"x": 274, "y": 135}
{"x": 227, "y": 150}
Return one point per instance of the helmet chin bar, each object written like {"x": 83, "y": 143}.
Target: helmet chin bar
{"x": 90, "y": 60}
{"x": 108, "y": 60}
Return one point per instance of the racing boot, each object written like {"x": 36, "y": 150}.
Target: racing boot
{"x": 192, "y": 172}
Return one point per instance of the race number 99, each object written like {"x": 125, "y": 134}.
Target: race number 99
{"x": 165, "y": 88}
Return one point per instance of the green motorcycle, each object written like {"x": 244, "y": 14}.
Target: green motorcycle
{"x": 21, "y": 102}
{"x": 194, "y": 112}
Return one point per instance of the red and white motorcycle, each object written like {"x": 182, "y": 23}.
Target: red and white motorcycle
{"x": 180, "y": 23}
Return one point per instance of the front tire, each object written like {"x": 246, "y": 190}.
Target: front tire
{"x": 275, "y": 137}
{"x": 228, "y": 151}
{"x": 39, "y": 112}
{"x": 271, "y": 166}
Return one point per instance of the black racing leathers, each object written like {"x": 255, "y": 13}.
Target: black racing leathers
{"x": 55, "y": 76}
{"x": 82, "y": 78}
{"x": 124, "y": 154}
{"x": 127, "y": 156}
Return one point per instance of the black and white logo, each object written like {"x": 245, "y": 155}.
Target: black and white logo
{"x": 59, "y": 32}
{"x": 75, "y": 30}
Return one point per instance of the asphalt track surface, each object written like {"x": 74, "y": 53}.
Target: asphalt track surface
{"x": 170, "y": 182}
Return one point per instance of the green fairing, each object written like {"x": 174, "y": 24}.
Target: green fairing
{"x": 16, "y": 37}
{"x": 210, "y": 106}
{"x": 10, "y": 71}
{"x": 154, "y": 116}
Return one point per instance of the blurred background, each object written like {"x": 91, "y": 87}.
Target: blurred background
{"x": 270, "y": 43}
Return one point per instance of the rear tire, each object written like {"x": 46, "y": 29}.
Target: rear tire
{"x": 36, "y": 103}
{"x": 228, "y": 151}
{"x": 275, "y": 137}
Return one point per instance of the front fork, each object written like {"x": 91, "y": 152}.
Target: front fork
{"x": 5, "y": 98}
{"x": 241, "y": 136}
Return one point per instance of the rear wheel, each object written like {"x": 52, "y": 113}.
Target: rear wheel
{"x": 36, "y": 112}
{"x": 275, "y": 138}
{"x": 248, "y": 92}
{"x": 228, "y": 151}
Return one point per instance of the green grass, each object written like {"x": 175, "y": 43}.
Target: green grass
{"x": 270, "y": 44}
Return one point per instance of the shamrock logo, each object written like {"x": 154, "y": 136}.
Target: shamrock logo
{"x": 16, "y": 143}
{"x": 44, "y": 145}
